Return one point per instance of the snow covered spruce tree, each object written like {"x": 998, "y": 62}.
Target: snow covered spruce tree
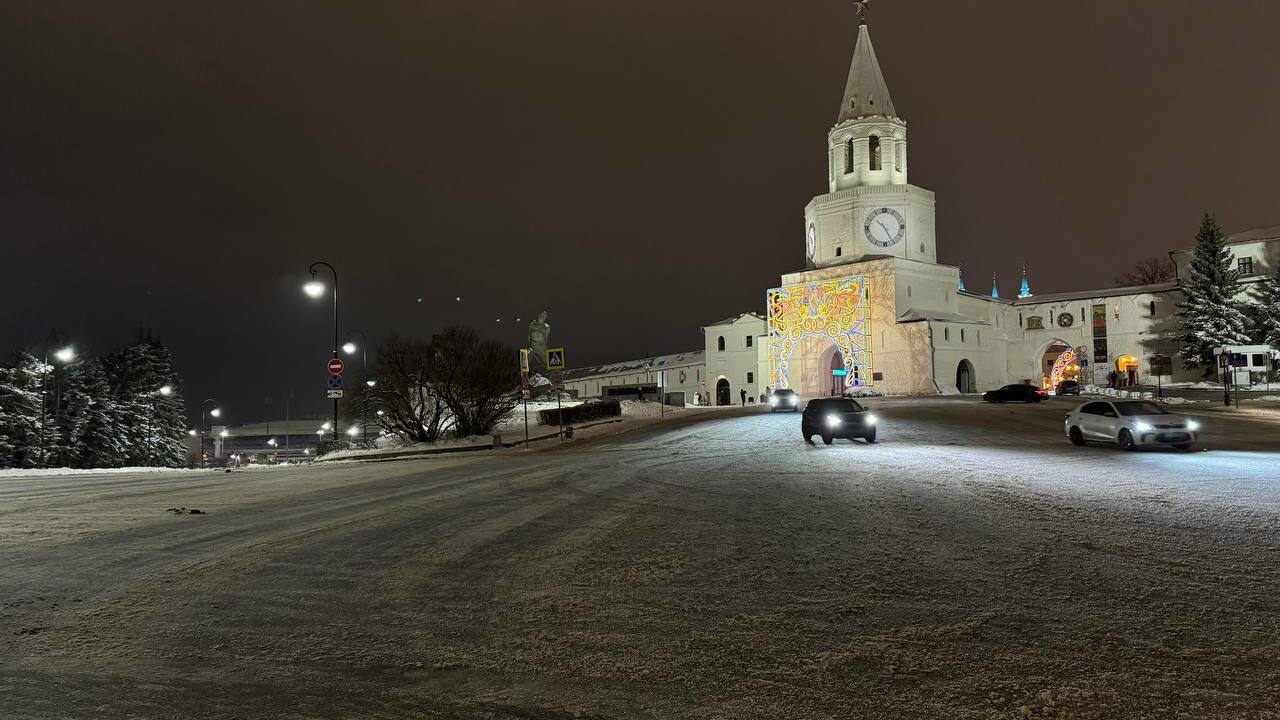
{"x": 1210, "y": 316}
{"x": 20, "y": 420}
{"x": 149, "y": 409}
{"x": 92, "y": 423}
{"x": 1266, "y": 313}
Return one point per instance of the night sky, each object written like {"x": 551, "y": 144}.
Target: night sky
{"x": 636, "y": 169}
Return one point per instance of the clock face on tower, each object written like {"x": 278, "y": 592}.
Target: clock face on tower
{"x": 811, "y": 241}
{"x": 884, "y": 227}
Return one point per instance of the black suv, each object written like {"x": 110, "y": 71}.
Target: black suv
{"x": 1068, "y": 387}
{"x": 837, "y": 418}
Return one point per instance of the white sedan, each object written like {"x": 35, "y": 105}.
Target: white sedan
{"x": 1130, "y": 424}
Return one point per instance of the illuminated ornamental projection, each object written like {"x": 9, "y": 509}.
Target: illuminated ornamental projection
{"x": 822, "y": 331}
{"x": 1064, "y": 368}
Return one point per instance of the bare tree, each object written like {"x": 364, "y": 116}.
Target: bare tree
{"x": 1148, "y": 271}
{"x": 478, "y": 379}
{"x": 407, "y": 395}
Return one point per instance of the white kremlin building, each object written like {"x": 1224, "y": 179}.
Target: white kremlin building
{"x": 874, "y": 310}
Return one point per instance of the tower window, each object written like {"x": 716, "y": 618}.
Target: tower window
{"x": 946, "y": 333}
{"x": 848, "y": 156}
{"x": 720, "y": 344}
{"x": 1153, "y": 307}
{"x": 838, "y": 252}
{"x": 873, "y": 145}
{"x": 749, "y": 340}
{"x": 961, "y": 334}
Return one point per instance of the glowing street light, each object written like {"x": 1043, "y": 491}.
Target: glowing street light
{"x": 191, "y": 432}
{"x": 204, "y": 422}
{"x": 324, "y": 427}
{"x": 166, "y": 390}
{"x": 349, "y": 348}
{"x": 370, "y": 383}
{"x": 216, "y": 412}
{"x": 65, "y": 355}
{"x": 272, "y": 442}
{"x": 315, "y": 289}
{"x": 353, "y": 431}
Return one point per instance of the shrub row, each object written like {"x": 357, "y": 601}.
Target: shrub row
{"x": 581, "y": 413}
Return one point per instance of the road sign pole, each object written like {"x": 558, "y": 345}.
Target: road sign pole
{"x": 559, "y": 410}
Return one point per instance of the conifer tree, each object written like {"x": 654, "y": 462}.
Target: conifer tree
{"x": 1266, "y": 314}
{"x": 20, "y": 419}
{"x": 1210, "y": 316}
{"x": 154, "y": 425}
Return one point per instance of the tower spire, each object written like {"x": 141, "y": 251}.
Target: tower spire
{"x": 1025, "y": 290}
{"x": 960, "y": 272}
{"x": 995, "y": 290}
{"x": 865, "y": 92}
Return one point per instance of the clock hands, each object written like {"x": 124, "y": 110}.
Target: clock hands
{"x": 887, "y": 234}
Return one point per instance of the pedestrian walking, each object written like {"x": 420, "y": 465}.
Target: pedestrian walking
{"x": 743, "y": 392}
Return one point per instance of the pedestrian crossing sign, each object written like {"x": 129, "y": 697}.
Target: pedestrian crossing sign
{"x": 555, "y": 359}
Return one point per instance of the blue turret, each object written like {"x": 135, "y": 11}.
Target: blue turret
{"x": 1025, "y": 290}
{"x": 961, "y": 286}
{"x": 995, "y": 291}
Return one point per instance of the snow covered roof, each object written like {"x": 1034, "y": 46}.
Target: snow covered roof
{"x": 736, "y": 318}
{"x": 1107, "y": 292}
{"x": 1254, "y": 235}
{"x": 917, "y": 314}
{"x": 659, "y": 362}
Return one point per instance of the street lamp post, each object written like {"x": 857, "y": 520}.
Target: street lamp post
{"x": 204, "y": 423}
{"x": 166, "y": 391}
{"x": 315, "y": 289}
{"x": 64, "y": 355}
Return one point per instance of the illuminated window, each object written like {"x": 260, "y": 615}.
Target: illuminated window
{"x": 873, "y": 146}
{"x": 720, "y": 344}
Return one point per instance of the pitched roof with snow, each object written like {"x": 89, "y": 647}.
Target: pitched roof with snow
{"x": 659, "y": 362}
{"x": 1107, "y": 292}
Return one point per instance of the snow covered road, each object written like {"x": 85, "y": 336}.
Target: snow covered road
{"x": 971, "y": 565}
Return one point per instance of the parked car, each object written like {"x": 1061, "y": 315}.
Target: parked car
{"x": 1130, "y": 424}
{"x": 1021, "y": 392}
{"x": 784, "y": 399}
{"x": 834, "y": 418}
{"x": 1068, "y": 387}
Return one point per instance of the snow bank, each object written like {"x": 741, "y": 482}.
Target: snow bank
{"x": 55, "y": 472}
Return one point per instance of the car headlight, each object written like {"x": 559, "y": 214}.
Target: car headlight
{"x": 1192, "y": 425}
{"x": 773, "y": 400}
{"x": 871, "y": 419}
{"x": 1142, "y": 427}
{"x": 832, "y": 420}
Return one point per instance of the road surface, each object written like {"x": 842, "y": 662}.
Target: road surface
{"x": 971, "y": 565}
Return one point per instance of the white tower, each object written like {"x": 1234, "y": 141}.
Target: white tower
{"x": 870, "y": 209}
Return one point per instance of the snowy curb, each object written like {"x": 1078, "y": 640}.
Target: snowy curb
{"x": 477, "y": 447}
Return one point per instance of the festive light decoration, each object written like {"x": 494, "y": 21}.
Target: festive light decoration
{"x": 835, "y": 309}
{"x": 1066, "y": 361}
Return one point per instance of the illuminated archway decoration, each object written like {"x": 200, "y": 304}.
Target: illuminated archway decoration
{"x": 835, "y": 309}
{"x": 1066, "y": 360}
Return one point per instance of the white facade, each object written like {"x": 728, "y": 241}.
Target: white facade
{"x": 734, "y": 349}
{"x": 914, "y": 330}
